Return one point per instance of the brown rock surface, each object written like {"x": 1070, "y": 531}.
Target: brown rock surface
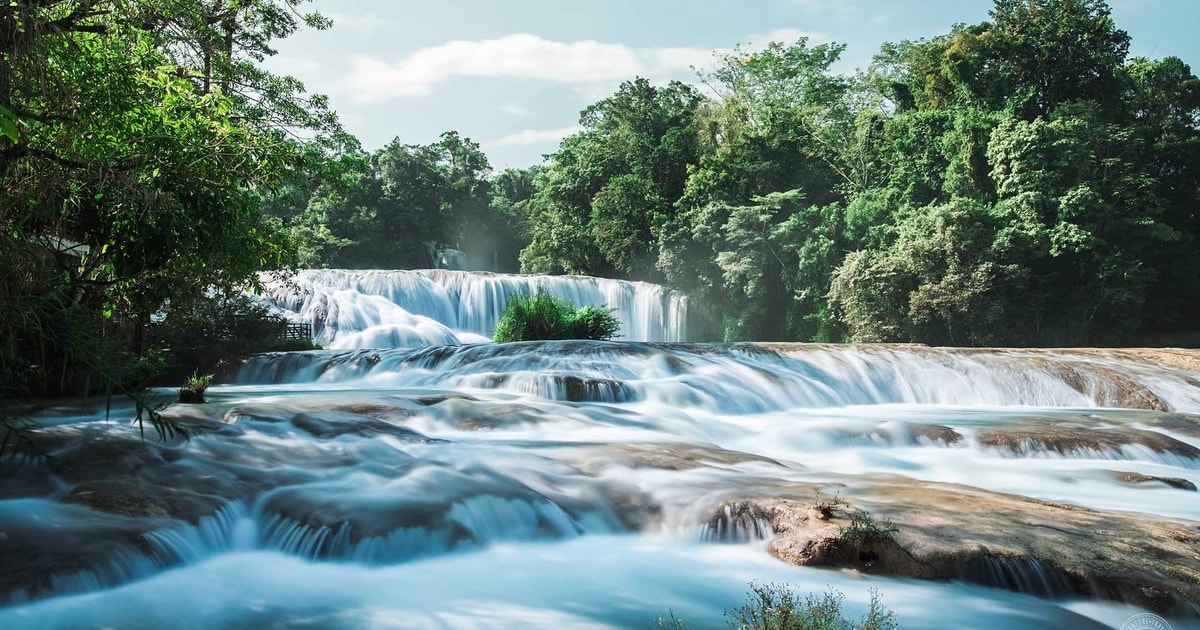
{"x": 1067, "y": 440}
{"x": 952, "y": 532}
{"x": 1134, "y": 478}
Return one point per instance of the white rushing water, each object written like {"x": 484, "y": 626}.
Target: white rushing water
{"x": 389, "y": 309}
{"x": 565, "y": 484}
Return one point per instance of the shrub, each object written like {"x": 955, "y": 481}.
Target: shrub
{"x": 213, "y": 331}
{"x": 778, "y": 607}
{"x": 864, "y": 528}
{"x": 542, "y": 316}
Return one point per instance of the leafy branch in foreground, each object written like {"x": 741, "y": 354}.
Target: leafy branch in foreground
{"x": 779, "y": 607}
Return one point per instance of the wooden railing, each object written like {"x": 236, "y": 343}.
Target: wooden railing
{"x": 298, "y": 330}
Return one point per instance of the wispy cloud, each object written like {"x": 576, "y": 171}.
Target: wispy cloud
{"x": 534, "y": 136}
{"x": 364, "y": 23}
{"x": 518, "y": 56}
{"x": 786, "y": 36}
{"x": 514, "y": 109}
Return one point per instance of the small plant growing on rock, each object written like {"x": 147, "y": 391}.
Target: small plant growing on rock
{"x": 865, "y": 529}
{"x": 194, "y": 387}
{"x": 828, "y": 507}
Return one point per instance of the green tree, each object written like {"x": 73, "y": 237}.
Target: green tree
{"x": 782, "y": 149}
{"x": 129, "y": 180}
{"x": 608, "y": 195}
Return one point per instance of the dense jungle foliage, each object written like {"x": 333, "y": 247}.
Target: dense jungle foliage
{"x": 1020, "y": 181}
{"x": 139, "y": 140}
{"x": 1015, "y": 182}
{"x": 542, "y": 316}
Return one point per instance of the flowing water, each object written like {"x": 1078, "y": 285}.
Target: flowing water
{"x": 560, "y": 484}
{"x": 383, "y": 309}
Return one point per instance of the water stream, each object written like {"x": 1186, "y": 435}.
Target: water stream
{"x": 560, "y": 484}
{"x": 378, "y": 309}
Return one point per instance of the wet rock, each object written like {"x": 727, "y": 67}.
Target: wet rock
{"x": 1073, "y": 440}
{"x": 468, "y": 414}
{"x": 193, "y": 418}
{"x": 578, "y": 389}
{"x": 429, "y": 401}
{"x": 636, "y": 510}
{"x": 935, "y": 433}
{"x": 387, "y": 413}
{"x": 97, "y": 456}
{"x": 906, "y": 433}
{"x": 239, "y": 414}
{"x": 415, "y": 496}
{"x": 1134, "y": 478}
{"x": 738, "y": 523}
{"x": 1105, "y": 385}
{"x": 666, "y": 457}
{"x": 332, "y": 424}
{"x": 118, "y": 497}
{"x": 84, "y": 550}
{"x": 1186, "y": 424}
{"x": 947, "y": 532}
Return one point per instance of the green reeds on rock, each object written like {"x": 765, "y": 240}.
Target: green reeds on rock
{"x": 194, "y": 387}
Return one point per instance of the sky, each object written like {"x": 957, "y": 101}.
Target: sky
{"x": 513, "y": 75}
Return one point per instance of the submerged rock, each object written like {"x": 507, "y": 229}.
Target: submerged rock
{"x": 332, "y": 424}
{"x": 577, "y": 389}
{"x": 1074, "y": 440}
{"x": 121, "y": 498}
{"x": 1134, "y": 478}
{"x": 666, "y": 457}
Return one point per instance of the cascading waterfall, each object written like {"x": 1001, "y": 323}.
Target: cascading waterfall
{"x": 601, "y": 484}
{"x": 388, "y": 309}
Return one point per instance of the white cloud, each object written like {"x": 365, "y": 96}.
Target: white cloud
{"x": 514, "y": 109}
{"x": 518, "y": 56}
{"x": 534, "y": 136}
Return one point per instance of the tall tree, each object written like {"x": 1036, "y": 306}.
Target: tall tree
{"x": 614, "y": 184}
{"x": 137, "y": 181}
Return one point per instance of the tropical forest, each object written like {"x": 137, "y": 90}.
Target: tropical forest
{"x": 783, "y": 343}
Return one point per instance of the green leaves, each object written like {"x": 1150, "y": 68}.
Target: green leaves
{"x": 146, "y": 152}
{"x": 8, "y": 124}
{"x": 542, "y": 316}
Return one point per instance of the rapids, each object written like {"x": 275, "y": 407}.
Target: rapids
{"x": 577, "y": 484}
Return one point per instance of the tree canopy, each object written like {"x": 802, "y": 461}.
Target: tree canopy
{"x": 1016, "y": 181}
{"x": 139, "y": 139}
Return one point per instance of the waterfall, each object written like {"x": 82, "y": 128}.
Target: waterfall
{"x": 389, "y": 309}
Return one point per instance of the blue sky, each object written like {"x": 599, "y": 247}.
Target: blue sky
{"x": 514, "y": 74}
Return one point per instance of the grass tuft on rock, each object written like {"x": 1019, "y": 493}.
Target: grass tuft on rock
{"x": 544, "y": 317}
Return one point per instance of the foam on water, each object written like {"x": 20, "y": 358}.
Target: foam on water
{"x": 568, "y": 484}
{"x": 387, "y": 309}
{"x": 592, "y": 582}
